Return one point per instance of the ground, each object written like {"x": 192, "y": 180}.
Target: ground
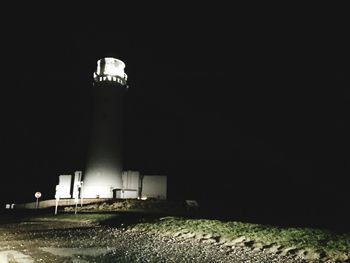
{"x": 157, "y": 231}
{"x": 65, "y": 239}
{"x": 49, "y": 241}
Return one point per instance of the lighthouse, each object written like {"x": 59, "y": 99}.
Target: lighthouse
{"x": 104, "y": 176}
{"x": 103, "y": 171}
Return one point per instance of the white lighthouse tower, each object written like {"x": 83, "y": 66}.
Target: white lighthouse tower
{"x": 104, "y": 176}
{"x": 103, "y": 173}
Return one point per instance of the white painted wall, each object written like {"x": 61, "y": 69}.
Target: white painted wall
{"x": 127, "y": 194}
{"x": 63, "y": 188}
{"x": 77, "y": 183}
{"x": 131, "y": 180}
{"x": 154, "y": 186}
{"x": 97, "y": 191}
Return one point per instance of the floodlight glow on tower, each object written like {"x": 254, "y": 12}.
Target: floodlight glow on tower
{"x": 104, "y": 167}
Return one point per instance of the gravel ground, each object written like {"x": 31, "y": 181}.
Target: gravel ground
{"x": 80, "y": 242}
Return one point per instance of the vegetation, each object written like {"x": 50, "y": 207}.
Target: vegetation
{"x": 314, "y": 245}
{"x": 311, "y": 244}
{"x": 82, "y": 218}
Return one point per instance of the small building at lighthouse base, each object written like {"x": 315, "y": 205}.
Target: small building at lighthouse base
{"x": 134, "y": 186}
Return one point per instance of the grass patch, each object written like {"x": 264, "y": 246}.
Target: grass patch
{"x": 311, "y": 244}
{"x": 83, "y": 217}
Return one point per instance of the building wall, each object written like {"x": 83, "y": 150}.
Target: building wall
{"x": 131, "y": 180}
{"x": 77, "y": 184}
{"x": 154, "y": 186}
{"x": 127, "y": 194}
{"x": 63, "y": 189}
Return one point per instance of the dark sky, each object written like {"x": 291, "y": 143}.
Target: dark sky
{"x": 242, "y": 105}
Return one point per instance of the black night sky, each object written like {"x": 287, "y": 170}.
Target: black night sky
{"x": 247, "y": 111}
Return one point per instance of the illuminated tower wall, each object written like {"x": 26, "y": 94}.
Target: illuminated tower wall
{"x": 103, "y": 172}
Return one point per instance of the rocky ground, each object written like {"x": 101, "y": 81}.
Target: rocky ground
{"x": 57, "y": 241}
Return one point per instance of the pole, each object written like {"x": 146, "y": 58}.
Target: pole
{"x": 57, "y": 199}
{"x": 37, "y": 203}
{"x": 76, "y": 201}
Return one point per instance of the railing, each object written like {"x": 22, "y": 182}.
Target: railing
{"x": 101, "y": 78}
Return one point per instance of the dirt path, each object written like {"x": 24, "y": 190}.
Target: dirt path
{"x": 28, "y": 242}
